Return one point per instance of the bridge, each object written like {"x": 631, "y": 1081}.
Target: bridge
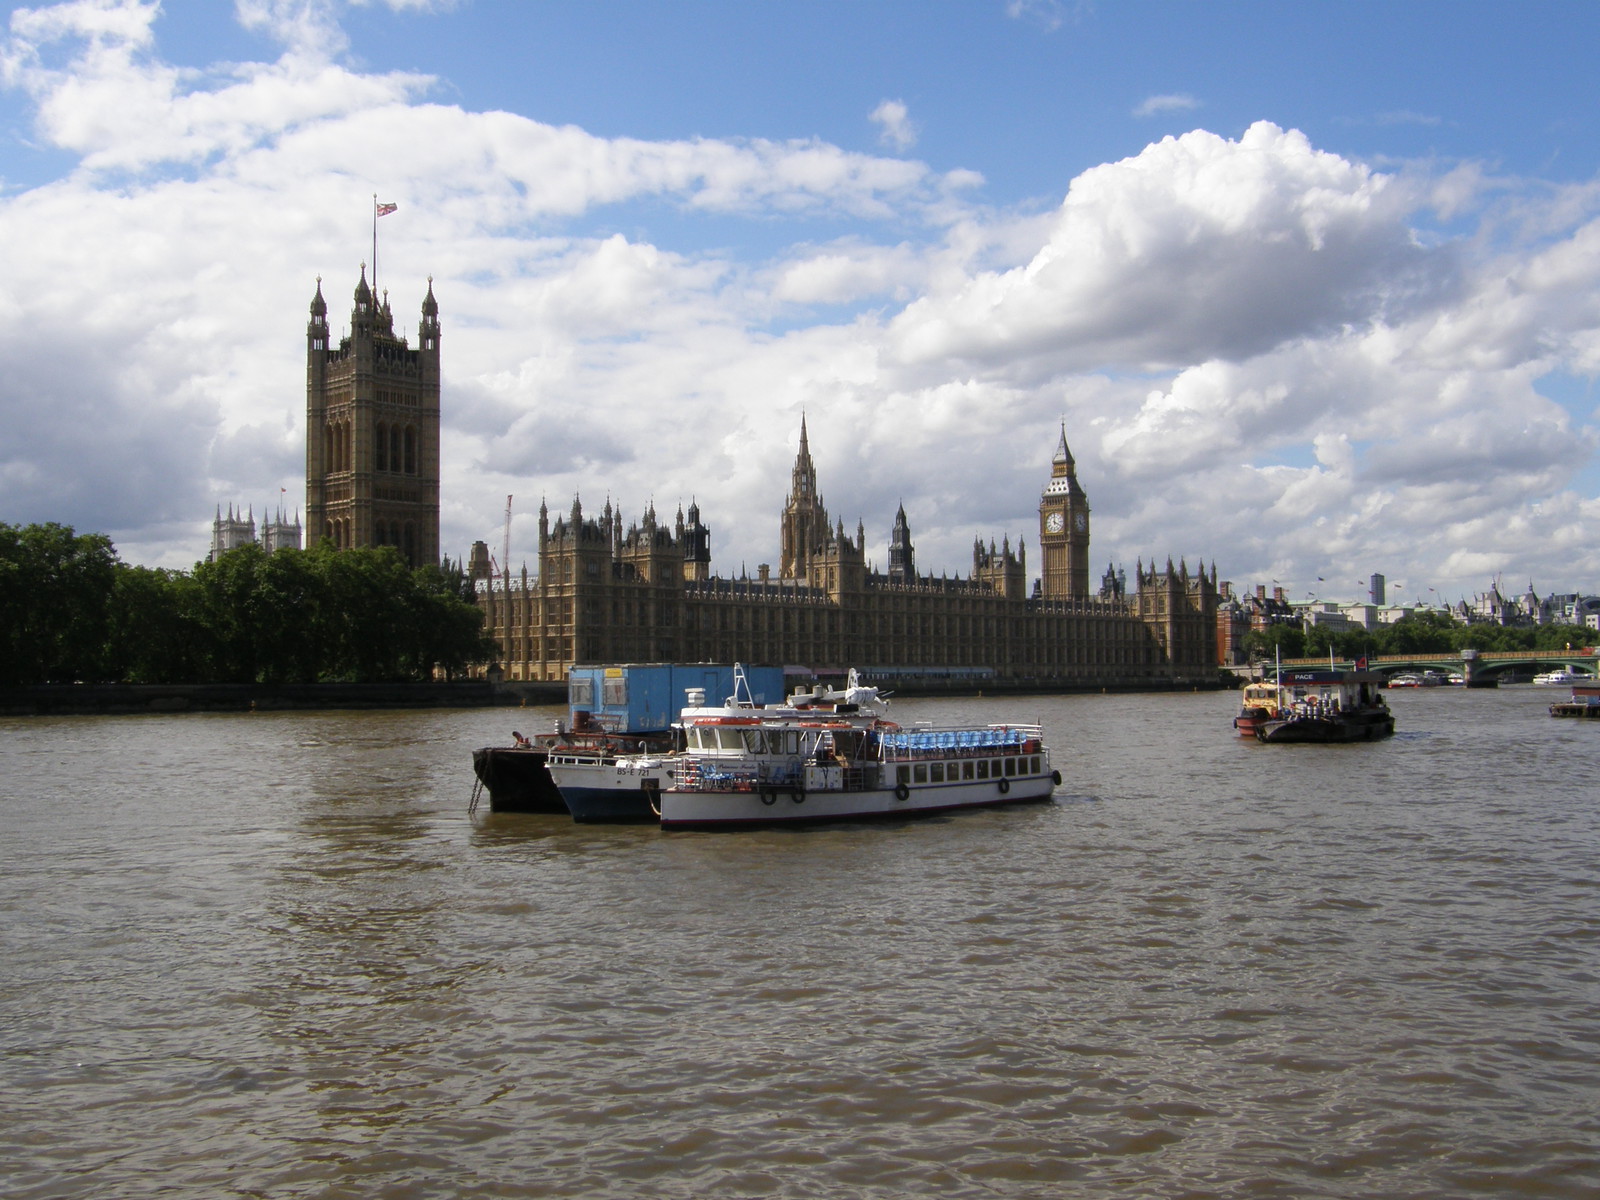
{"x": 1481, "y": 668}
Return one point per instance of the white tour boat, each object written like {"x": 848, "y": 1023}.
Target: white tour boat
{"x": 833, "y": 755}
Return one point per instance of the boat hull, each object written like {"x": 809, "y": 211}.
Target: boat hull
{"x": 1343, "y": 727}
{"x": 794, "y": 805}
{"x": 609, "y": 791}
{"x": 517, "y": 780}
{"x": 1575, "y": 709}
{"x": 1250, "y": 720}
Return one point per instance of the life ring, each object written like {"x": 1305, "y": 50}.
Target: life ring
{"x": 799, "y": 794}
{"x": 1055, "y": 778}
{"x": 768, "y": 797}
{"x": 1005, "y": 785}
{"x": 902, "y": 792}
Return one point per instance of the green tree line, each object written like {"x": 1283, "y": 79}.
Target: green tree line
{"x": 72, "y": 611}
{"x": 1416, "y": 633}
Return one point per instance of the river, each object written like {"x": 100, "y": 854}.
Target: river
{"x": 272, "y": 955}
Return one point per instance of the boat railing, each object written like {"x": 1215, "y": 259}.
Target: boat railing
{"x": 922, "y": 742}
{"x": 710, "y": 775}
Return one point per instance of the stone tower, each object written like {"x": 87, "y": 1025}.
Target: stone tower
{"x": 1064, "y": 529}
{"x": 372, "y": 429}
{"x": 805, "y": 520}
{"x": 696, "y": 541}
{"x": 902, "y": 554}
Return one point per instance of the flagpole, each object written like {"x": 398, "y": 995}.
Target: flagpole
{"x": 374, "y": 245}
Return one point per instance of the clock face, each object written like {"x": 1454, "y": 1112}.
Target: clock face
{"x": 1081, "y": 522}
{"x": 1053, "y": 523}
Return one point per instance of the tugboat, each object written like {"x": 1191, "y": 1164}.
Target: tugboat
{"x": 1260, "y": 704}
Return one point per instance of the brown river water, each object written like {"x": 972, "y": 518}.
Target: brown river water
{"x": 272, "y": 955}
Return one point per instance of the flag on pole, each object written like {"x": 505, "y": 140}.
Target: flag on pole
{"x": 1361, "y": 663}
{"x": 385, "y": 209}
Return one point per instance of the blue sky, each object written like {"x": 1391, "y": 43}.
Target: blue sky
{"x": 1312, "y": 286}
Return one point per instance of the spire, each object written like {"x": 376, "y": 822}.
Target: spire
{"x": 363, "y": 292}
{"x": 1063, "y": 456}
{"x": 319, "y": 306}
{"x": 430, "y": 306}
{"x": 803, "y": 484}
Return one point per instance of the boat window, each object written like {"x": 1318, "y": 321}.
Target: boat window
{"x": 983, "y": 768}
{"x": 902, "y": 774}
{"x": 919, "y": 773}
{"x": 1034, "y": 765}
{"x": 580, "y": 693}
{"x": 614, "y": 691}
{"x": 936, "y": 772}
{"x": 791, "y": 741}
{"x": 1011, "y": 766}
{"x": 729, "y": 739}
{"x": 966, "y": 770}
{"x": 755, "y": 741}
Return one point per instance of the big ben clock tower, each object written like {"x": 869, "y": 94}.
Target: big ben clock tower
{"x": 1064, "y": 529}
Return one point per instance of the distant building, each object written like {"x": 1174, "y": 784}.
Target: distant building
{"x": 603, "y": 593}
{"x": 239, "y": 529}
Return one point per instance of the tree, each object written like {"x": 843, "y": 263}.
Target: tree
{"x": 55, "y": 587}
{"x": 1275, "y": 641}
{"x": 154, "y": 634}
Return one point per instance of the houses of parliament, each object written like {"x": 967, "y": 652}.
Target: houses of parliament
{"x": 606, "y": 593}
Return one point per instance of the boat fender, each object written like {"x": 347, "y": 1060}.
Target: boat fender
{"x": 768, "y": 798}
{"x": 799, "y": 794}
{"x": 1005, "y": 785}
{"x": 902, "y": 792}
{"x": 1055, "y": 778}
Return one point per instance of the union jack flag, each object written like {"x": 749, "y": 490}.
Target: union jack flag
{"x": 385, "y": 209}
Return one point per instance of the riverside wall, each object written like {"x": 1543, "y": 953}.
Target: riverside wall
{"x": 90, "y": 699}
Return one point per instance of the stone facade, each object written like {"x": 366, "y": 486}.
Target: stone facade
{"x": 372, "y": 429}
{"x": 645, "y": 594}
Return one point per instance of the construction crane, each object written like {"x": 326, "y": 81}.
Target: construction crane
{"x": 505, "y": 567}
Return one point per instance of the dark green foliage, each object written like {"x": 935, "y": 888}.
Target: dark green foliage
{"x": 55, "y": 590}
{"x": 69, "y": 610}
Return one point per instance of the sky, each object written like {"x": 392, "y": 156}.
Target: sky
{"x": 1311, "y": 288}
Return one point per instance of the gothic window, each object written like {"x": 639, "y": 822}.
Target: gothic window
{"x": 411, "y": 450}
{"x": 381, "y": 445}
{"x": 395, "y": 459}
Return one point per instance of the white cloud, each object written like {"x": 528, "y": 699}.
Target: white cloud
{"x": 1263, "y": 353}
{"x": 1172, "y": 102}
{"x": 894, "y": 125}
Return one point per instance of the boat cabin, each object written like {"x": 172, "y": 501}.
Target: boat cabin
{"x": 633, "y": 698}
{"x": 1330, "y": 690}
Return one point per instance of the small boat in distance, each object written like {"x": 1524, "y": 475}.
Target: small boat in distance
{"x": 1585, "y": 702}
{"x": 1325, "y": 705}
{"x": 1562, "y": 676}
